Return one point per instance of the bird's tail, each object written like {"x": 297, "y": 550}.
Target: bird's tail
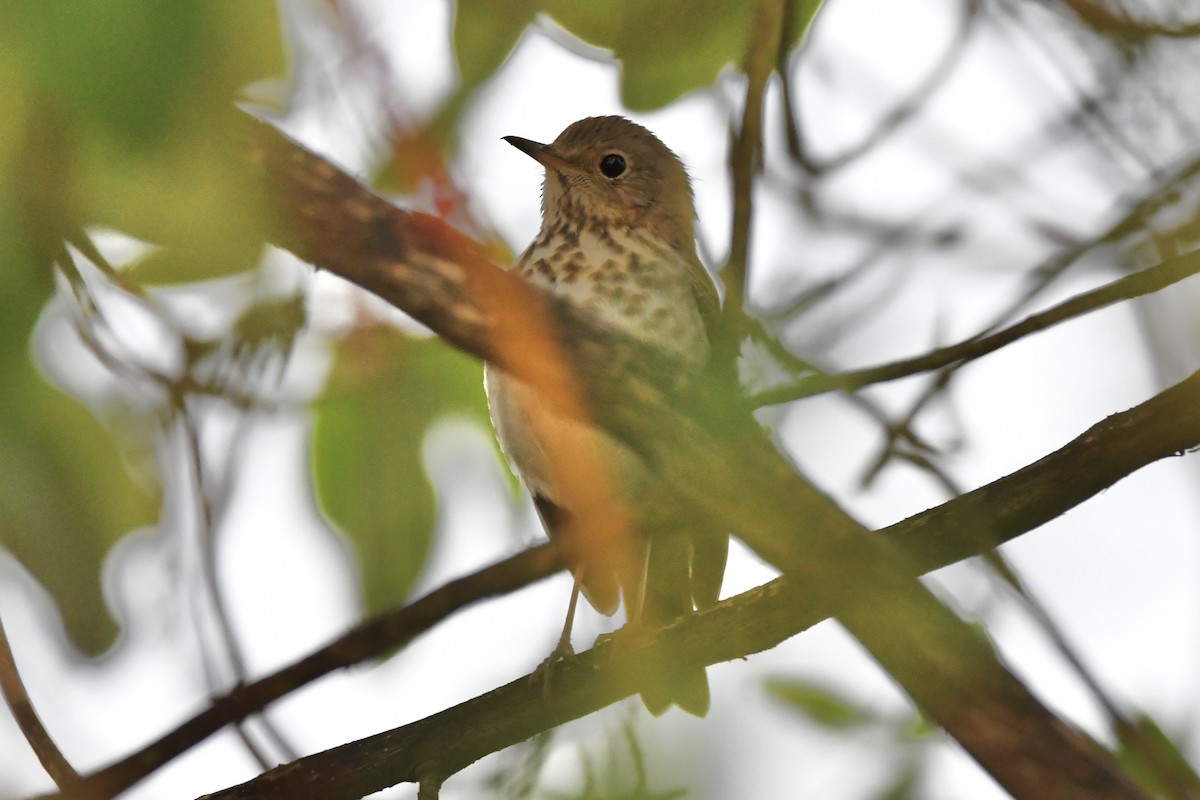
{"x": 679, "y": 567}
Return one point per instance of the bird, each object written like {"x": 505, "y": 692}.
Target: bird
{"x": 617, "y": 242}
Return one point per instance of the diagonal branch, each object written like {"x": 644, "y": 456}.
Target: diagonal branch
{"x": 1165, "y": 425}
{"x": 370, "y": 639}
{"x": 1147, "y": 281}
{"x": 723, "y": 467}
{"x": 766, "y": 41}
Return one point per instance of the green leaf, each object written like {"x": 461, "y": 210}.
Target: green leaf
{"x": 170, "y": 266}
{"x": 132, "y": 70}
{"x": 385, "y": 391}
{"x": 122, "y": 114}
{"x": 484, "y": 34}
{"x": 803, "y": 17}
{"x": 662, "y": 57}
{"x": 821, "y": 704}
{"x": 118, "y": 114}
{"x": 65, "y": 499}
{"x": 666, "y": 48}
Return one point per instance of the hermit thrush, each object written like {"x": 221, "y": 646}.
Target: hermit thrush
{"x": 617, "y": 241}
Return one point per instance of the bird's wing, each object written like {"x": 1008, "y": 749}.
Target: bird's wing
{"x": 704, "y": 291}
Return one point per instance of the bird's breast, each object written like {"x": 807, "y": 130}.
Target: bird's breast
{"x": 628, "y": 282}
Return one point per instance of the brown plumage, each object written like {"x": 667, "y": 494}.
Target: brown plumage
{"x": 617, "y": 240}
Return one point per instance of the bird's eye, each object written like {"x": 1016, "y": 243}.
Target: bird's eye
{"x": 612, "y": 165}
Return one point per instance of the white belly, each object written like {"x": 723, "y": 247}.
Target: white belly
{"x": 531, "y": 438}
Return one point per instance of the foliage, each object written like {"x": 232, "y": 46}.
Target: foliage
{"x": 646, "y": 38}
{"x": 385, "y": 392}
{"x": 108, "y": 121}
{"x": 117, "y": 118}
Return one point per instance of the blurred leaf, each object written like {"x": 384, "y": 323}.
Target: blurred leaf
{"x": 117, "y": 66}
{"x": 254, "y": 353}
{"x": 192, "y": 196}
{"x": 133, "y": 69}
{"x": 484, "y": 34}
{"x": 25, "y": 286}
{"x": 114, "y": 113}
{"x": 272, "y": 322}
{"x": 385, "y": 391}
{"x": 803, "y": 16}
{"x": 33, "y": 210}
{"x": 666, "y": 48}
{"x": 170, "y": 266}
{"x": 820, "y": 704}
{"x": 1150, "y": 757}
{"x": 123, "y": 114}
{"x": 65, "y": 496}
{"x": 65, "y": 499}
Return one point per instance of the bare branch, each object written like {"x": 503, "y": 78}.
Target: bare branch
{"x": 758, "y": 620}
{"x": 1147, "y": 281}
{"x": 892, "y": 120}
{"x": 766, "y": 42}
{"x": 370, "y": 639}
{"x": 53, "y": 761}
{"x": 724, "y": 468}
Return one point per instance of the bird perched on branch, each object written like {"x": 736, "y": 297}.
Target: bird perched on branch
{"x": 617, "y": 241}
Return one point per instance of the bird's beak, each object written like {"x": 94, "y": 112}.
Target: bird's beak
{"x": 543, "y": 154}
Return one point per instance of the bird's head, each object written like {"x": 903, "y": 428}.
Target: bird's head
{"x": 613, "y": 172}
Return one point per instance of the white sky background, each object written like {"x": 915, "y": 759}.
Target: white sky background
{"x": 1118, "y": 573}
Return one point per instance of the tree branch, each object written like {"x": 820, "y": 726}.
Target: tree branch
{"x": 370, "y": 639}
{"x": 56, "y": 765}
{"x": 723, "y": 468}
{"x": 766, "y": 41}
{"x": 1168, "y": 424}
{"x": 1147, "y": 281}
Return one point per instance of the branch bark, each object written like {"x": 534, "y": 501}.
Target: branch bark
{"x": 17, "y": 699}
{"x": 1147, "y": 281}
{"x": 371, "y": 639}
{"x": 724, "y": 467}
{"x": 1166, "y": 425}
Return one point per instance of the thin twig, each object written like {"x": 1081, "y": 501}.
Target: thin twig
{"x": 209, "y": 585}
{"x": 87, "y": 317}
{"x": 745, "y": 149}
{"x": 1165, "y": 189}
{"x": 756, "y": 621}
{"x": 1133, "y": 220}
{"x": 53, "y": 761}
{"x": 368, "y": 640}
{"x": 1138, "y": 284}
{"x": 894, "y": 118}
{"x": 1185, "y": 786}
